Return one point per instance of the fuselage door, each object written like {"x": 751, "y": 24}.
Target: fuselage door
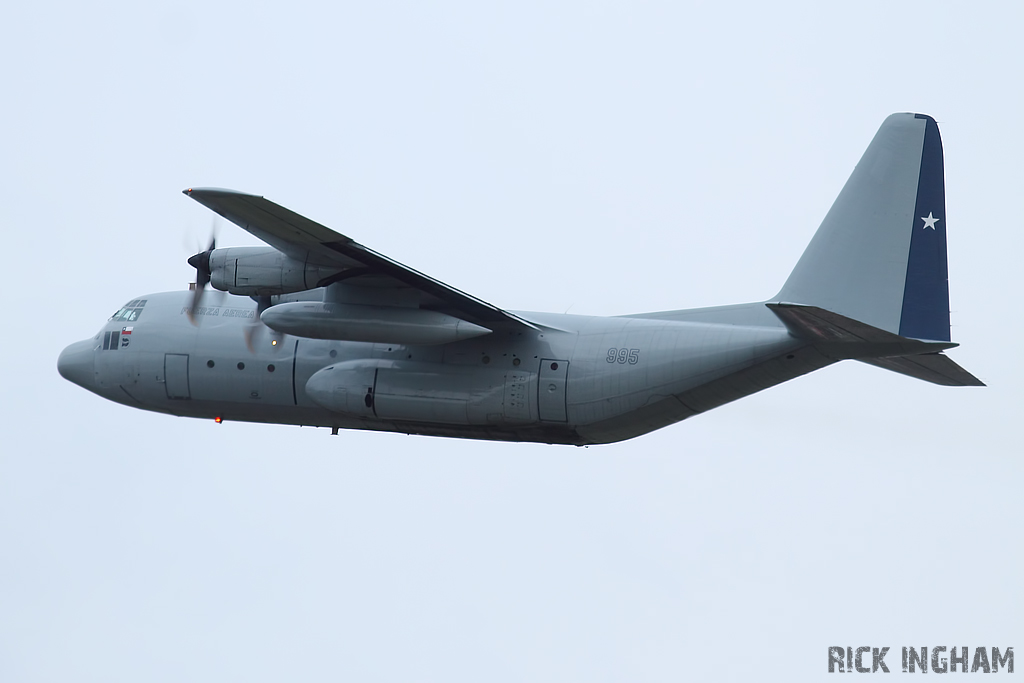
{"x": 551, "y": 390}
{"x": 176, "y": 375}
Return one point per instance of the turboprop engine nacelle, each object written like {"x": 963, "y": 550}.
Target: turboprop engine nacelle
{"x": 263, "y": 271}
{"x": 358, "y": 322}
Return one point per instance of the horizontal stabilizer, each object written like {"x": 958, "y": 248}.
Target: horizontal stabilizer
{"x": 840, "y": 337}
{"x": 848, "y": 338}
{"x": 932, "y": 367}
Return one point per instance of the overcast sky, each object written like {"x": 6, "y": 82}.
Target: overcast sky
{"x": 595, "y": 157}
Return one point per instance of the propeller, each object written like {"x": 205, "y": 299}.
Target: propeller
{"x": 252, "y": 330}
{"x": 201, "y": 262}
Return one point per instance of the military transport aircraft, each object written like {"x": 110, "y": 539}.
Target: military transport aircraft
{"x": 359, "y": 341}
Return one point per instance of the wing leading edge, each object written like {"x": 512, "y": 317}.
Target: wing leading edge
{"x": 310, "y": 242}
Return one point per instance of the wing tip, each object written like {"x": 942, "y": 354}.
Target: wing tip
{"x": 195, "y": 192}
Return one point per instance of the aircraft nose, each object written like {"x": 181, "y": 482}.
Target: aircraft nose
{"x": 77, "y": 364}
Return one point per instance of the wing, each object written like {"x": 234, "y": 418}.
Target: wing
{"x": 308, "y": 241}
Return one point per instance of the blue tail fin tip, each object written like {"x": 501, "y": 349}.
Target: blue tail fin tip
{"x": 925, "y": 313}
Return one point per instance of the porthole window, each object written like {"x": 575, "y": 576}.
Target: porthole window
{"x": 516, "y": 362}
{"x": 554, "y": 366}
{"x": 209, "y": 363}
{"x": 271, "y": 368}
{"x": 333, "y": 354}
{"x": 241, "y": 366}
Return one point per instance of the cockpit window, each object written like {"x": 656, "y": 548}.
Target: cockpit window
{"x": 131, "y": 311}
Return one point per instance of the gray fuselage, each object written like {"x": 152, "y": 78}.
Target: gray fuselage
{"x": 576, "y": 380}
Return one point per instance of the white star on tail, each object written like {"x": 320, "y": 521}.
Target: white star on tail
{"x": 930, "y": 221}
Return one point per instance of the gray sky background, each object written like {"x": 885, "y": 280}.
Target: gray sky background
{"x": 607, "y": 158}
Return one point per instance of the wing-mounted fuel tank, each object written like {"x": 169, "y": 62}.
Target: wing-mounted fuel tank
{"x": 357, "y": 322}
{"x": 263, "y": 271}
{"x": 425, "y": 392}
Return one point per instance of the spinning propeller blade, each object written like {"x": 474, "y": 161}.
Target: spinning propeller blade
{"x": 201, "y": 262}
{"x": 252, "y": 330}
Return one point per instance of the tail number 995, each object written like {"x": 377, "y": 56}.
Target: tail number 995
{"x": 623, "y": 356}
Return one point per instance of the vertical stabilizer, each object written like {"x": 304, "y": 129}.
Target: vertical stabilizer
{"x": 880, "y": 254}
